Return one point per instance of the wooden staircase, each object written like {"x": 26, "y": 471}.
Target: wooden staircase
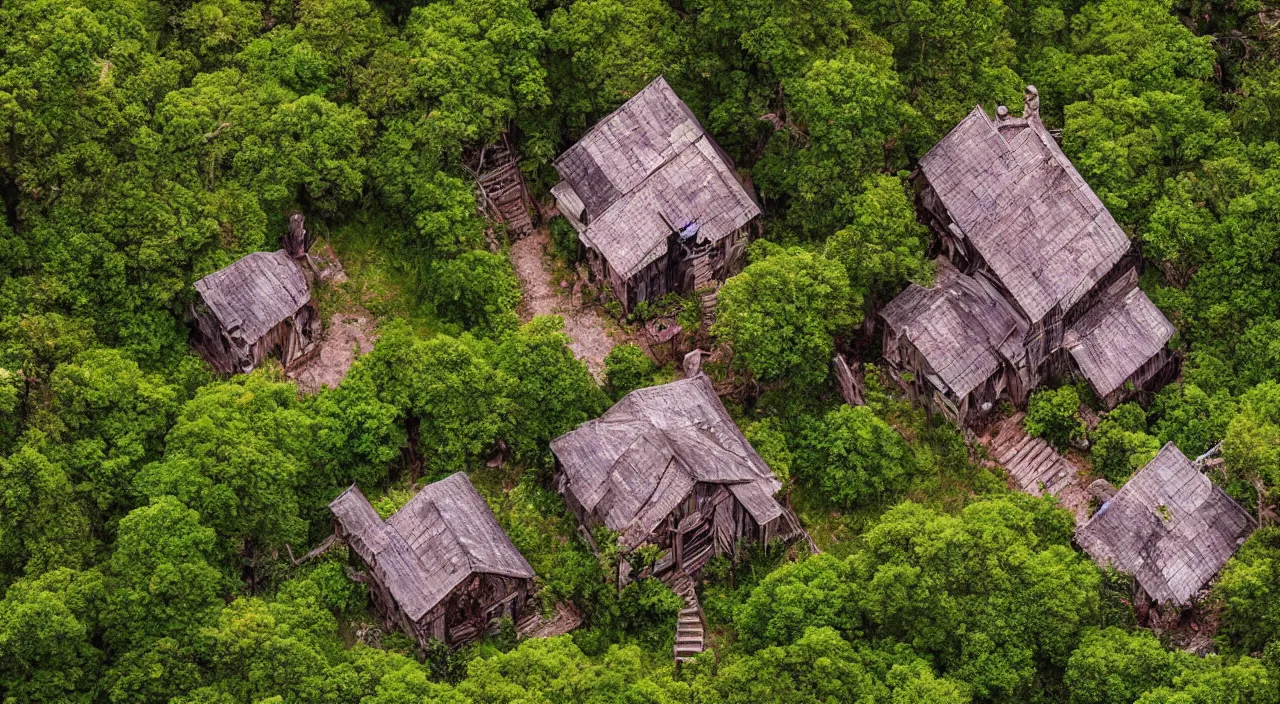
{"x": 502, "y": 189}
{"x": 1034, "y": 466}
{"x": 690, "y": 627}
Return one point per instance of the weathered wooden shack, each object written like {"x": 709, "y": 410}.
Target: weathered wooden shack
{"x": 1169, "y": 527}
{"x": 441, "y": 568}
{"x": 960, "y": 340}
{"x": 666, "y": 466}
{"x": 1007, "y": 204}
{"x": 1012, "y": 213}
{"x": 249, "y": 310}
{"x": 657, "y": 204}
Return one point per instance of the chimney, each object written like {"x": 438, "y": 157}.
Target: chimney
{"x": 1031, "y": 104}
{"x": 295, "y": 243}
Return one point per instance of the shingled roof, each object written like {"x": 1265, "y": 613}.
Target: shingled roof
{"x": 1019, "y": 201}
{"x": 645, "y": 171}
{"x": 639, "y": 460}
{"x": 1168, "y": 526}
{"x": 255, "y": 293}
{"x": 445, "y": 534}
{"x": 1116, "y": 337}
{"x": 962, "y": 327}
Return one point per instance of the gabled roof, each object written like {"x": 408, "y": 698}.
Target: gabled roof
{"x": 1168, "y": 526}
{"x": 640, "y": 459}
{"x": 645, "y": 171}
{"x": 1008, "y": 186}
{"x": 962, "y": 327}
{"x": 255, "y": 293}
{"x": 445, "y": 534}
{"x": 1117, "y": 336}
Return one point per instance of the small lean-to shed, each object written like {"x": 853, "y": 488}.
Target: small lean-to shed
{"x": 657, "y": 204}
{"x": 1169, "y": 527}
{"x": 258, "y": 305}
{"x": 956, "y": 347}
{"x": 667, "y": 466}
{"x": 441, "y": 568}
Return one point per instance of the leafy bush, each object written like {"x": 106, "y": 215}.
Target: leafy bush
{"x": 478, "y": 290}
{"x": 780, "y": 315}
{"x": 627, "y": 368}
{"x": 1054, "y": 415}
{"x": 564, "y": 240}
{"x": 1121, "y": 445}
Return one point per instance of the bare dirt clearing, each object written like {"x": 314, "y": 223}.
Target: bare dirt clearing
{"x": 591, "y": 335}
{"x": 348, "y": 335}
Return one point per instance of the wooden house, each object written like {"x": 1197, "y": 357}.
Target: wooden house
{"x": 1169, "y": 527}
{"x": 257, "y": 306}
{"x": 962, "y": 341}
{"x": 1012, "y": 213}
{"x": 441, "y": 568}
{"x": 667, "y": 467}
{"x": 657, "y": 204}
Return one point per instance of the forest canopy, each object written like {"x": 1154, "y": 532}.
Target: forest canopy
{"x": 153, "y": 513}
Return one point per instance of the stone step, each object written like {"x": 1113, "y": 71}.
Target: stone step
{"x": 1034, "y": 464}
{"x": 1015, "y": 463}
{"x": 1012, "y": 450}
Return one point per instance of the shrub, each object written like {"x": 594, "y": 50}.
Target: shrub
{"x": 626, "y": 369}
{"x": 564, "y": 240}
{"x": 1121, "y": 444}
{"x": 853, "y": 457}
{"x": 1053, "y": 415}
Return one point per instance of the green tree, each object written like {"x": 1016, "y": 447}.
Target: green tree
{"x": 821, "y": 666}
{"x": 48, "y": 626}
{"x": 163, "y": 582}
{"x": 1120, "y": 444}
{"x": 780, "y": 315}
{"x": 605, "y": 51}
{"x": 42, "y": 526}
{"x": 883, "y": 246}
{"x": 109, "y": 418}
{"x": 817, "y": 592}
{"x": 951, "y": 55}
{"x": 454, "y": 405}
{"x": 769, "y": 439}
{"x": 993, "y": 595}
{"x": 855, "y": 458}
{"x": 478, "y": 290}
{"x": 846, "y": 119}
{"x": 1113, "y": 666}
{"x": 1247, "y": 589}
{"x": 237, "y": 454}
{"x": 554, "y": 392}
{"x": 1190, "y": 418}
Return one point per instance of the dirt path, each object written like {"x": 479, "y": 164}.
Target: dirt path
{"x": 350, "y": 333}
{"x": 588, "y": 331}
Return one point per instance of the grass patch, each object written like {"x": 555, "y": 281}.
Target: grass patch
{"x": 378, "y": 281}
